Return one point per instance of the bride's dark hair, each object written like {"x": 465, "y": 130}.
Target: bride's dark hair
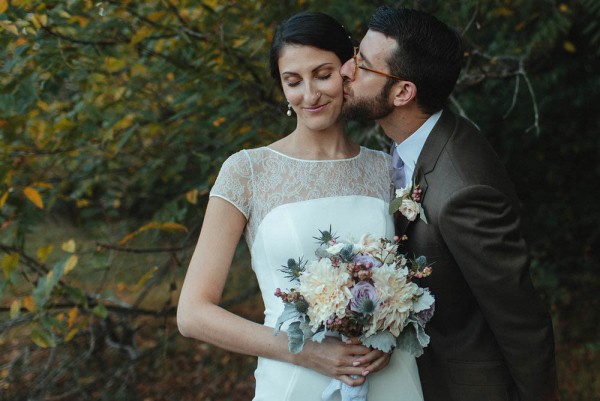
{"x": 311, "y": 29}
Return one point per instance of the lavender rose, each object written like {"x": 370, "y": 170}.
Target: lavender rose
{"x": 364, "y": 298}
{"x": 366, "y": 261}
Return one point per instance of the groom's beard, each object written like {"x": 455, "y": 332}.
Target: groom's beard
{"x": 363, "y": 109}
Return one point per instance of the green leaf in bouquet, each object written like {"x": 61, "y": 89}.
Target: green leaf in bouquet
{"x": 289, "y": 313}
{"x": 295, "y": 338}
{"x": 319, "y": 336}
{"x": 413, "y": 338}
{"x": 395, "y": 205}
{"x": 383, "y": 341}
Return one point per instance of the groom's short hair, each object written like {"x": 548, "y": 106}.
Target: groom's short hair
{"x": 429, "y": 53}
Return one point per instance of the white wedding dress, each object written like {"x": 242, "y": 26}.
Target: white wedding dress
{"x": 286, "y": 202}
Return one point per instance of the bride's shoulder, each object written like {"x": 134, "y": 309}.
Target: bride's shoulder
{"x": 247, "y": 156}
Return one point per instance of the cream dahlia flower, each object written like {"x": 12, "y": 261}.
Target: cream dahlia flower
{"x": 326, "y": 289}
{"x": 396, "y": 299}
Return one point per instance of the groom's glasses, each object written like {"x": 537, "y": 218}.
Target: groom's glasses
{"x": 356, "y": 67}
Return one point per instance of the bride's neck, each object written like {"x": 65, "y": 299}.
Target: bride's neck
{"x": 317, "y": 145}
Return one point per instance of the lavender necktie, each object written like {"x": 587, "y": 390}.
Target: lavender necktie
{"x": 398, "y": 170}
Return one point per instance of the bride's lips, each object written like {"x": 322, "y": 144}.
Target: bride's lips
{"x": 316, "y": 109}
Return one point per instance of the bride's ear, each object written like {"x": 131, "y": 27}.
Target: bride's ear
{"x": 404, "y": 92}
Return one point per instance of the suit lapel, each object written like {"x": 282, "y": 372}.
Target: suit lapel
{"x": 437, "y": 139}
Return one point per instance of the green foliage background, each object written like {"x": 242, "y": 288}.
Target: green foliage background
{"x": 115, "y": 117}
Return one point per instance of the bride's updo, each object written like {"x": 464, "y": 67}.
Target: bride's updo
{"x": 311, "y": 29}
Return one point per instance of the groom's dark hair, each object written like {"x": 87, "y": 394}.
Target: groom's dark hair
{"x": 429, "y": 53}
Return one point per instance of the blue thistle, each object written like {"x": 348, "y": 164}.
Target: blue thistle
{"x": 294, "y": 269}
{"x": 326, "y": 237}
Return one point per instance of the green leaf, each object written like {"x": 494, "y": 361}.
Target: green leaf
{"x": 100, "y": 311}
{"x": 413, "y": 338}
{"x": 289, "y": 313}
{"x": 42, "y": 338}
{"x": 395, "y": 205}
{"x": 295, "y": 338}
{"x": 384, "y": 341}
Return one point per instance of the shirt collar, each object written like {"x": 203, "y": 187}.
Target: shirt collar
{"x": 410, "y": 149}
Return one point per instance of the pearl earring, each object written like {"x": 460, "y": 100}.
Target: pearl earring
{"x": 289, "y": 111}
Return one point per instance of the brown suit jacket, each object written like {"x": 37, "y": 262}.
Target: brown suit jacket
{"x": 491, "y": 339}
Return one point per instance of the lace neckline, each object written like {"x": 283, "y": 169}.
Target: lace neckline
{"x": 360, "y": 151}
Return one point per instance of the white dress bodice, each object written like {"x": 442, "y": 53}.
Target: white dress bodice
{"x": 286, "y": 201}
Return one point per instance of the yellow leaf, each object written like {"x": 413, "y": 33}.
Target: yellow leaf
{"x": 218, "y": 121}
{"x": 141, "y": 34}
{"x": 64, "y": 124}
{"x": 69, "y": 246}
{"x": 156, "y": 16}
{"x": 43, "y": 105}
{"x": 34, "y": 196}
{"x": 42, "y": 338}
{"x": 3, "y": 5}
{"x": 73, "y": 312}
{"x": 138, "y": 70}
{"x": 42, "y": 184}
{"x": 71, "y": 334}
{"x": 569, "y": 46}
{"x": 29, "y": 303}
{"x": 71, "y": 263}
{"x": 240, "y": 42}
{"x": 145, "y": 278}
{"x": 113, "y": 64}
{"x": 39, "y": 20}
{"x": 10, "y": 27}
{"x": 44, "y": 252}
{"x": 3, "y": 199}
{"x": 192, "y": 196}
{"x": 124, "y": 122}
{"x": 564, "y": 8}
{"x": 502, "y": 12}
{"x": 15, "y": 309}
{"x": 10, "y": 262}
{"x": 154, "y": 226}
{"x": 81, "y": 203}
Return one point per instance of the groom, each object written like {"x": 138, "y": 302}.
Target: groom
{"x": 490, "y": 338}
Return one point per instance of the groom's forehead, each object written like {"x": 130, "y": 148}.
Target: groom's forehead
{"x": 376, "y": 47}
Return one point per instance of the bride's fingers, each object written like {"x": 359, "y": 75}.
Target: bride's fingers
{"x": 374, "y": 359}
{"x": 377, "y": 364}
{"x": 352, "y": 380}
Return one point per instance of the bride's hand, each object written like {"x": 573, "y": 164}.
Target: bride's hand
{"x": 371, "y": 362}
{"x": 349, "y": 363}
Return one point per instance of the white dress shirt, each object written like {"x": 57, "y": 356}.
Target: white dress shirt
{"x": 410, "y": 149}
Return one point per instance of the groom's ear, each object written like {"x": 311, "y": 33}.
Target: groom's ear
{"x": 404, "y": 92}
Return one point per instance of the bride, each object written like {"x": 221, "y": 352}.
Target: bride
{"x": 279, "y": 197}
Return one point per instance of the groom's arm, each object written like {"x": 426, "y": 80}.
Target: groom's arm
{"x": 482, "y": 230}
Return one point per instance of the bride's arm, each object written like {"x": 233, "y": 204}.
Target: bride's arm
{"x": 199, "y": 315}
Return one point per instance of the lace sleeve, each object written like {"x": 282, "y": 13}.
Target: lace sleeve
{"x": 233, "y": 182}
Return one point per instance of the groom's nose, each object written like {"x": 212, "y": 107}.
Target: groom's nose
{"x": 347, "y": 70}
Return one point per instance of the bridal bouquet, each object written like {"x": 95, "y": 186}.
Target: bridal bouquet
{"x": 361, "y": 289}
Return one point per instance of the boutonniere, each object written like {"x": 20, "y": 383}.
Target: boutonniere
{"x": 408, "y": 202}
